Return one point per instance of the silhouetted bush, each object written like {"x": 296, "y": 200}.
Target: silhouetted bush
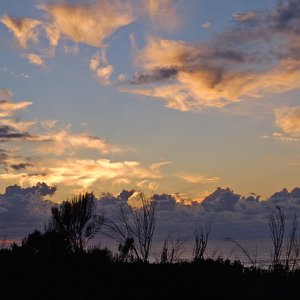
{"x": 76, "y": 221}
{"x": 49, "y": 243}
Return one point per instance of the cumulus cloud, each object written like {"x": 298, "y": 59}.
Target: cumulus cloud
{"x": 24, "y": 209}
{"x": 250, "y": 60}
{"x": 230, "y": 214}
{"x": 24, "y": 29}
{"x": 88, "y": 23}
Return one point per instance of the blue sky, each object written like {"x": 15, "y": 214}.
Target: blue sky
{"x": 161, "y": 96}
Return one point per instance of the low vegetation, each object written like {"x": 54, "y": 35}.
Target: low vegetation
{"x": 58, "y": 263}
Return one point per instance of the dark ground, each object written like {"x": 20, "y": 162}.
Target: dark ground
{"x": 95, "y": 276}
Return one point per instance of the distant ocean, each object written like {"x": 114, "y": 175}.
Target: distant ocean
{"x": 259, "y": 250}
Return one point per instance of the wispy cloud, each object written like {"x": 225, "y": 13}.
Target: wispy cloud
{"x": 287, "y": 119}
{"x": 101, "y": 68}
{"x": 197, "y": 178}
{"x": 53, "y": 35}
{"x": 245, "y": 16}
{"x": 24, "y": 29}
{"x": 8, "y": 108}
{"x": 74, "y": 49}
{"x": 162, "y": 13}
{"x": 57, "y": 155}
{"x": 206, "y": 25}
{"x": 81, "y": 173}
{"x": 64, "y": 141}
{"x": 250, "y": 60}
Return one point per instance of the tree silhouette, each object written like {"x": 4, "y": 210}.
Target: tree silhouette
{"x": 201, "y": 239}
{"x": 277, "y": 228}
{"x": 49, "y": 243}
{"x": 172, "y": 250}
{"x": 134, "y": 228}
{"x": 76, "y": 221}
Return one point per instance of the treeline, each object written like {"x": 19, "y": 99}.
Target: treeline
{"x": 58, "y": 263}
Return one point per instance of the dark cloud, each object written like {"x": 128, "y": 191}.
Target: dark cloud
{"x": 286, "y": 17}
{"x": 220, "y": 200}
{"x": 3, "y": 158}
{"x": 231, "y": 215}
{"x": 24, "y": 209}
{"x": 8, "y": 132}
{"x": 155, "y": 75}
{"x": 21, "y": 166}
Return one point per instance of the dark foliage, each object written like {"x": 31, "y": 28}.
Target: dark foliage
{"x": 76, "y": 221}
{"x": 95, "y": 275}
{"x": 49, "y": 243}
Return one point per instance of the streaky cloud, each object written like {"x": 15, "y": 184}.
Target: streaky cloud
{"x": 24, "y": 29}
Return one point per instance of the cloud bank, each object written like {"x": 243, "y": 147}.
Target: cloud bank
{"x": 231, "y": 215}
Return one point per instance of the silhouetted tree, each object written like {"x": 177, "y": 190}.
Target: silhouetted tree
{"x": 277, "y": 228}
{"x": 172, "y": 250}
{"x": 134, "y": 228}
{"x": 292, "y": 247}
{"x": 76, "y": 221}
{"x": 201, "y": 239}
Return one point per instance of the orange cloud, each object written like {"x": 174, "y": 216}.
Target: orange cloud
{"x": 53, "y": 35}
{"x": 24, "y": 30}
{"x": 162, "y": 13}
{"x": 81, "y": 172}
{"x": 197, "y": 178}
{"x": 288, "y": 120}
{"x": 35, "y": 59}
{"x": 89, "y": 23}
{"x": 19, "y": 125}
{"x": 100, "y": 67}
{"x": 8, "y": 108}
{"x": 191, "y": 80}
{"x": 63, "y": 141}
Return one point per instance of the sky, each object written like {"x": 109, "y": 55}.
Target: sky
{"x": 176, "y": 97}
